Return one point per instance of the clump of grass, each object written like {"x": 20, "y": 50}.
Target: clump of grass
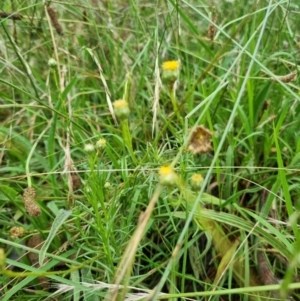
{"x": 107, "y": 183}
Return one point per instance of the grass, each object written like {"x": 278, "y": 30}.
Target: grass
{"x": 132, "y": 200}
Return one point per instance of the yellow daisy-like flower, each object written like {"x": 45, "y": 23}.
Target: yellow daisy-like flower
{"x": 120, "y": 104}
{"x": 171, "y": 65}
{"x": 170, "y": 71}
{"x": 121, "y": 108}
{"x": 196, "y": 180}
{"x": 167, "y": 175}
{"x": 165, "y": 170}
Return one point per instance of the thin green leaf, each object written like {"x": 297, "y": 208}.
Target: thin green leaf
{"x": 59, "y": 220}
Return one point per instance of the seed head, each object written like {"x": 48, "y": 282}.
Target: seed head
{"x": 200, "y": 141}
{"x": 29, "y": 198}
{"x": 53, "y": 17}
{"x": 17, "y": 232}
{"x": 100, "y": 144}
{"x": 291, "y": 77}
{"x": 2, "y": 259}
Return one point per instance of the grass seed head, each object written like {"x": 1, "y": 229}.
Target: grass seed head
{"x": 17, "y": 232}
{"x": 291, "y": 77}
{"x": 212, "y": 29}
{"x": 76, "y": 182}
{"x": 53, "y": 17}
{"x": 29, "y": 198}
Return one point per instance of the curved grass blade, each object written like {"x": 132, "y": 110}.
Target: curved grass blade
{"x": 62, "y": 215}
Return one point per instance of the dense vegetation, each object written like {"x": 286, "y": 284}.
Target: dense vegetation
{"x": 149, "y": 150}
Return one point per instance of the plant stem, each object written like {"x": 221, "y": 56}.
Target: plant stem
{"x": 174, "y": 103}
{"x": 128, "y": 139}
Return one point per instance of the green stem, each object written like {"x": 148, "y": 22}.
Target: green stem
{"x": 28, "y": 175}
{"x": 128, "y": 139}
{"x": 175, "y": 105}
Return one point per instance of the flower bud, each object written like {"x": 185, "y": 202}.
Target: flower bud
{"x": 121, "y": 109}
{"x": 106, "y": 184}
{"x": 89, "y": 147}
{"x": 100, "y": 144}
{"x": 196, "y": 181}
{"x": 170, "y": 71}
{"x": 52, "y": 63}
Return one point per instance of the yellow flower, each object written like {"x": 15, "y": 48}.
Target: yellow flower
{"x": 121, "y": 108}
{"x": 167, "y": 175}
{"x": 170, "y": 71}
{"x": 196, "y": 180}
{"x": 171, "y": 65}
{"x": 120, "y": 104}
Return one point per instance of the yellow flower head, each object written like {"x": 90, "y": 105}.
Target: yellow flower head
{"x": 196, "y": 180}
{"x": 121, "y": 108}
{"x": 170, "y": 71}
{"x": 165, "y": 170}
{"x": 196, "y": 177}
{"x": 167, "y": 175}
{"x": 120, "y": 104}
{"x": 171, "y": 65}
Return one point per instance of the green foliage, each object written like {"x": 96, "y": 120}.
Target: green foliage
{"x": 105, "y": 217}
